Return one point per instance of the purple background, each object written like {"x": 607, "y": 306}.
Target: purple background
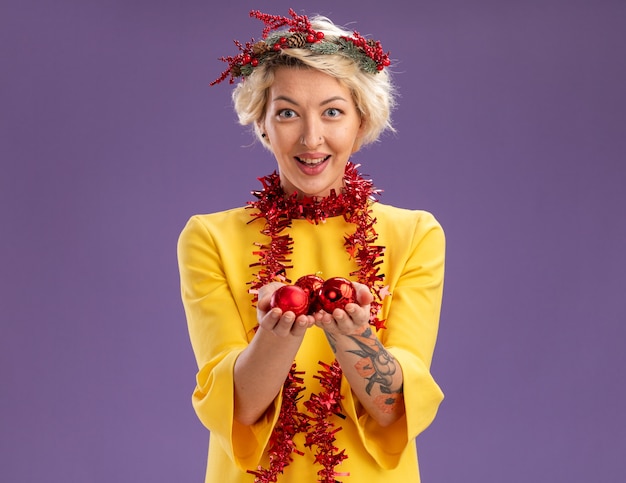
{"x": 511, "y": 129}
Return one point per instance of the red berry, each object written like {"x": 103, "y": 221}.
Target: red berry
{"x": 319, "y": 35}
{"x": 310, "y": 38}
{"x": 290, "y": 298}
{"x": 336, "y": 293}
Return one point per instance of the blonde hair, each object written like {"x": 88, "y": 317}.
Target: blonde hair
{"x": 373, "y": 94}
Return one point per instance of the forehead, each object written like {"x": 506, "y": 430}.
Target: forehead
{"x": 305, "y": 84}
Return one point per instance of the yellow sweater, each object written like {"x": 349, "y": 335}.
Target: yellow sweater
{"x": 215, "y": 253}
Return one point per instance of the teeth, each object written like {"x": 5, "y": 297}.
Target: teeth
{"x": 312, "y": 162}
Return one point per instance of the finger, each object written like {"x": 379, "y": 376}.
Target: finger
{"x": 302, "y": 323}
{"x": 263, "y": 305}
{"x": 285, "y": 323}
{"x": 363, "y": 294}
{"x": 359, "y": 315}
{"x": 270, "y": 319}
{"x": 264, "y": 297}
{"x": 322, "y": 319}
{"x": 265, "y": 294}
{"x": 345, "y": 324}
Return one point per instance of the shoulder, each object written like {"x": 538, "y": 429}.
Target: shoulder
{"x": 404, "y": 220}
{"x": 234, "y": 215}
{"x": 406, "y": 232}
{"x": 217, "y": 225}
{"x": 227, "y": 219}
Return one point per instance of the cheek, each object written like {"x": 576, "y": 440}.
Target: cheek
{"x": 285, "y": 137}
{"x": 348, "y": 137}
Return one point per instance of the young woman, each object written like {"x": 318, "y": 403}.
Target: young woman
{"x": 340, "y": 391}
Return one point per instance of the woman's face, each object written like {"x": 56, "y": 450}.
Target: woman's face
{"x": 312, "y": 127}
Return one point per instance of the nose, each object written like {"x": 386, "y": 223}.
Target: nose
{"x": 312, "y": 134}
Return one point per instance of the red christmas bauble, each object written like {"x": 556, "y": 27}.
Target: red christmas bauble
{"x": 290, "y": 298}
{"x": 336, "y": 293}
{"x": 311, "y": 284}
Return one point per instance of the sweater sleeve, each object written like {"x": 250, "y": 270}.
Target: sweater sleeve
{"x": 412, "y": 319}
{"x": 218, "y": 335}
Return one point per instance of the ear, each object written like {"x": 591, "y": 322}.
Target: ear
{"x": 260, "y": 130}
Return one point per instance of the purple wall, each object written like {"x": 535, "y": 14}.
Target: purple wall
{"x": 511, "y": 129}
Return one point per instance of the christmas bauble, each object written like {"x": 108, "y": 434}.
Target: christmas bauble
{"x": 290, "y": 298}
{"x": 336, "y": 293}
{"x": 312, "y": 285}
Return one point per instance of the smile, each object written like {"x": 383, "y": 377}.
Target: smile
{"x": 312, "y": 161}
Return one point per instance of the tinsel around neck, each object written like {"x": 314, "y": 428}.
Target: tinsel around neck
{"x": 354, "y": 203}
{"x": 356, "y": 194}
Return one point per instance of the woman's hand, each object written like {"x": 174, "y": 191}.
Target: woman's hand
{"x": 274, "y": 320}
{"x": 372, "y": 372}
{"x": 350, "y": 321}
{"x": 261, "y": 368}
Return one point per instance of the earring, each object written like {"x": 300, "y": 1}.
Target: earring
{"x": 263, "y": 135}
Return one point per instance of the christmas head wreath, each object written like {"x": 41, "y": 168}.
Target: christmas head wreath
{"x": 297, "y": 32}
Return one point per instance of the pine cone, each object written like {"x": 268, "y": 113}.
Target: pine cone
{"x": 297, "y": 40}
{"x": 260, "y": 48}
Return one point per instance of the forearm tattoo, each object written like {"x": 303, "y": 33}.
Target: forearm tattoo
{"x": 376, "y": 364}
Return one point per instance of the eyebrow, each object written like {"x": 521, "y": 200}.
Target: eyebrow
{"x": 323, "y": 103}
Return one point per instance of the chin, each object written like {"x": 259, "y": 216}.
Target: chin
{"x": 313, "y": 192}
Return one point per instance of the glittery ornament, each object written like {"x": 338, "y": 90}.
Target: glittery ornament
{"x": 336, "y": 293}
{"x": 290, "y": 298}
{"x": 311, "y": 284}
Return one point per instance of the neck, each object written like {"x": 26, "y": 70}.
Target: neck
{"x": 355, "y": 195}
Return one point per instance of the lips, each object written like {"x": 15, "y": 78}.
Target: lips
{"x": 311, "y": 162}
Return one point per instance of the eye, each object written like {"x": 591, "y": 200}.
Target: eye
{"x": 333, "y": 112}
{"x": 287, "y": 113}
